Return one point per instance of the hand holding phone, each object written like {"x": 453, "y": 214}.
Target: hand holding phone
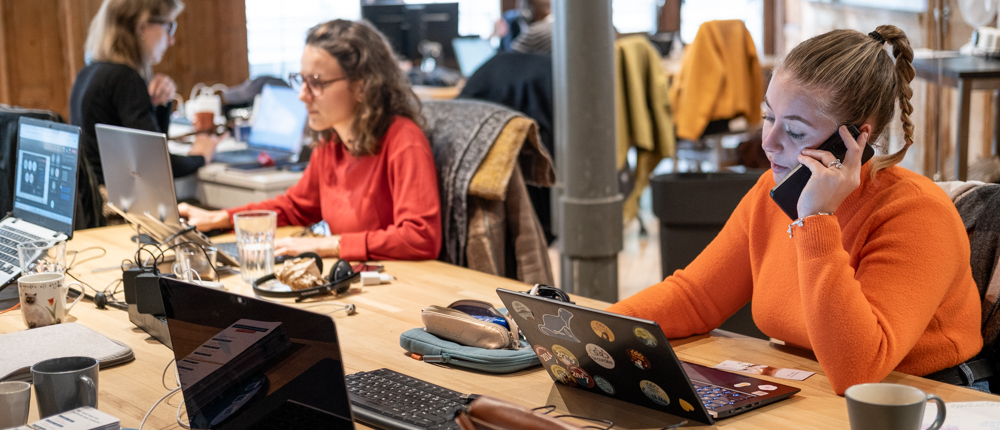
{"x": 787, "y": 192}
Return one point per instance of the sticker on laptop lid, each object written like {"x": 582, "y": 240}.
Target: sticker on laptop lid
{"x": 685, "y": 405}
{"x": 564, "y": 355}
{"x": 544, "y": 355}
{"x": 760, "y": 393}
{"x": 742, "y": 384}
{"x": 638, "y": 359}
{"x": 558, "y": 325}
{"x": 604, "y": 385}
{"x": 522, "y": 310}
{"x": 654, "y": 392}
{"x": 600, "y": 356}
{"x": 602, "y": 331}
{"x": 645, "y": 336}
{"x": 563, "y": 376}
{"x": 582, "y": 377}
{"x": 767, "y": 387}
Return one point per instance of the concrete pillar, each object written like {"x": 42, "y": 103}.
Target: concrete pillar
{"x": 588, "y": 210}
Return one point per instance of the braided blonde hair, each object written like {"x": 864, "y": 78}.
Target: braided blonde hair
{"x": 859, "y": 81}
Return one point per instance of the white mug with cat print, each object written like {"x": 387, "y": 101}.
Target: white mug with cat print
{"x": 43, "y": 298}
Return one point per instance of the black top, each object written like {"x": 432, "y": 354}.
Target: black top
{"x": 115, "y": 94}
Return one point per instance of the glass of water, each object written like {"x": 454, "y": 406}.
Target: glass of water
{"x": 42, "y": 256}
{"x": 255, "y": 239}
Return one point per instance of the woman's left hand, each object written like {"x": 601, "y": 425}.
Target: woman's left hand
{"x": 830, "y": 185}
{"x": 326, "y": 247}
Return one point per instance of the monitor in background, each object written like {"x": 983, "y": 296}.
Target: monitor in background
{"x": 471, "y": 53}
{"x": 407, "y": 25}
{"x": 279, "y": 121}
{"x": 45, "y": 183}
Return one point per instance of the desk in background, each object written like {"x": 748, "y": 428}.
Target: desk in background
{"x": 966, "y": 73}
{"x": 370, "y": 340}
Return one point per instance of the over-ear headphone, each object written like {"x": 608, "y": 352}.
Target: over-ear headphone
{"x": 339, "y": 280}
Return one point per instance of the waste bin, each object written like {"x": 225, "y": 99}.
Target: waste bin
{"x": 692, "y": 208}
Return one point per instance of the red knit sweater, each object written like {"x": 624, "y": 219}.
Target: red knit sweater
{"x": 384, "y": 207}
{"x": 884, "y": 284}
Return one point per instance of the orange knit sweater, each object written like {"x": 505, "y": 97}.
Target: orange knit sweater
{"x": 884, "y": 284}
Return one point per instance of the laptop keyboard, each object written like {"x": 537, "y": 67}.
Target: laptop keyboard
{"x": 715, "y": 397}
{"x": 10, "y": 237}
{"x": 391, "y": 400}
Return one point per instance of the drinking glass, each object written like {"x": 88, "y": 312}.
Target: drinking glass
{"x": 255, "y": 240}
{"x": 42, "y": 256}
{"x": 195, "y": 262}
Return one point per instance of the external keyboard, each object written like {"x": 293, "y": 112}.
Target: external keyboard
{"x": 714, "y": 396}
{"x": 390, "y": 400}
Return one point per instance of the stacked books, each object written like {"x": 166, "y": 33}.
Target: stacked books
{"x": 85, "y": 418}
{"x": 234, "y": 357}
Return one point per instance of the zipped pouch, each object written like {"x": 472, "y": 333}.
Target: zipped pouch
{"x": 471, "y": 323}
{"x": 427, "y": 347}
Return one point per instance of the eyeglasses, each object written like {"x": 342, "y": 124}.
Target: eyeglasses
{"x": 169, "y": 26}
{"x": 313, "y": 82}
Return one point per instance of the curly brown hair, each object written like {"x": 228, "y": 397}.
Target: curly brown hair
{"x": 365, "y": 56}
{"x": 859, "y": 81}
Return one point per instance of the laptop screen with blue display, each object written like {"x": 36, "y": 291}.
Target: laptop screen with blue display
{"x": 45, "y": 182}
{"x": 279, "y": 121}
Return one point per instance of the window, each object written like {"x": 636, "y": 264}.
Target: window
{"x": 634, "y": 16}
{"x": 751, "y": 12}
{"x": 276, "y": 30}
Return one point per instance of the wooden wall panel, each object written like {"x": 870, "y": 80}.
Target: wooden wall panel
{"x": 41, "y": 48}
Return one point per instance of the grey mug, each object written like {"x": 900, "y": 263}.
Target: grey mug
{"x": 884, "y": 406}
{"x": 64, "y": 384}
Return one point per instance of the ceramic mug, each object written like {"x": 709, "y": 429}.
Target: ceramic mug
{"x": 15, "y": 397}
{"x": 64, "y": 384}
{"x": 883, "y": 406}
{"x": 43, "y": 298}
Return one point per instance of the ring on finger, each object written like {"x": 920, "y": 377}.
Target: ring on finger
{"x": 836, "y": 163}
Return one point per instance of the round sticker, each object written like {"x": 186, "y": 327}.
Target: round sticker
{"x": 582, "y": 377}
{"x": 602, "y": 331}
{"x": 654, "y": 392}
{"x": 645, "y": 336}
{"x": 767, "y": 387}
{"x": 600, "y": 356}
{"x": 742, "y": 384}
{"x": 563, "y": 376}
{"x": 564, "y": 355}
{"x": 544, "y": 355}
{"x": 522, "y": 310}
{"x": 638, "y": 359}
{"x": 604, "y": 385}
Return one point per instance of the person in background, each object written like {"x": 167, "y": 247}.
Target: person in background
{"x": 372, "y": 177}
{"x": 118, "y": 87}
{"x": 874, "y": 276}
{"x": 527, "y": 29}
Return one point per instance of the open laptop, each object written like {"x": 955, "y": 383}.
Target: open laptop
{"x": 44, "y": 190}
{"x": 246, "y": 363}
{"x": 140, "y": 184}
{"x": 472, "y": 52}
{"x": 630, "y": 359}
{"x": 279, "y": 119}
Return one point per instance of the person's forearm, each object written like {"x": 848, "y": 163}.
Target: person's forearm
{"x": 329, "y": 247}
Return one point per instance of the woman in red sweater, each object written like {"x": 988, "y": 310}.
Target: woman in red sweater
{"x": 875, "y": 275}
{"x": 372, "y": 178}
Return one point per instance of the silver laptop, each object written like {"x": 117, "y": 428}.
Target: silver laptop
{"x": 140, "y": 183}
{"x": 279, "y": 121}
{"x": 44, "y": 190}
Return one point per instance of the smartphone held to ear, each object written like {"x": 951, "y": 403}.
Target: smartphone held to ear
{"x": 786, "y": 193}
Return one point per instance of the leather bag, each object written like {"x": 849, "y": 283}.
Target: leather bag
{"x": 488, "y": 413}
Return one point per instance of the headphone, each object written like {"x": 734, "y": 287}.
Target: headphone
{"x": 549, "y": 292}
{"x": 341, "y": 277}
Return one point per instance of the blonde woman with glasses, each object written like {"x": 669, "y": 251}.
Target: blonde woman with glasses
{"x": 372, "y": 177}
{"x": 118, "y": 87}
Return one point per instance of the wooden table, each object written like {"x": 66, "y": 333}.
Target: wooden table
{"x": 371, "y": 341}
{"x": 966, "y": 73}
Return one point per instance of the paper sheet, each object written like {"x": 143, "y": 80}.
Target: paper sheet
{"x": 966, "y": 416}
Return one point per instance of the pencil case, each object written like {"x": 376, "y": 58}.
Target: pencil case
{"x": 429, "y": 348}
{"x": 471, "y": 323}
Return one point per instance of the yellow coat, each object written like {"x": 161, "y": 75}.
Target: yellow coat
{"x": 642, "y": 110}
{"x": 720, "y": 78}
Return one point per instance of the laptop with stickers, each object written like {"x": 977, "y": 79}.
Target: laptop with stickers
{"x": 630, "y": 359}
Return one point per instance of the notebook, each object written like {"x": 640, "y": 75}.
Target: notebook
{"x": 249, "y": 363}
{"x": 140, "y": 183}
{"x": 279, "y": 120}
{"x": 20, "y": 350}
{"x": 630, "y": 359}
{"x": 44, "y": 190}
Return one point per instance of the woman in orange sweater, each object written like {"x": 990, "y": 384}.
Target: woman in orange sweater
{"x": 875, "y": 275}
{"x": 372, "y": 178}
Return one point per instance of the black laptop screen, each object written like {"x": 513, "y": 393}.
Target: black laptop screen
{"x": 45, "y": 179}
{"x": 244, "y": 362}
